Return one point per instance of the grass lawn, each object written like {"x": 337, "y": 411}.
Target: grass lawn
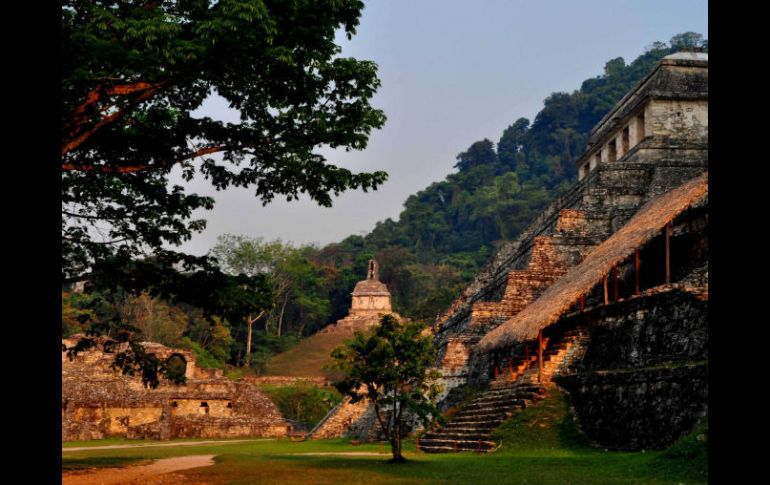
{"x": 309, "y": 356}
{"x": 541, "y": 445}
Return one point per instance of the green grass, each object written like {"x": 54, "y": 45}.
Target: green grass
{"x": 541, "y": 445}
{"x": 309, "y": 357}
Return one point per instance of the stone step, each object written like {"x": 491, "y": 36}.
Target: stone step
{"x": 524, "y": 396}
{"x": 493, "y": 403}
{"x": 456, "y": 445}
{"x": 480, "y": 425}
{"x": 486, "y": 407}
{"x": 465, "y": 430}
{"x": 481, "y": 408}
{"x": 508, "y": 386}
{"x": 446, "y": 449}
{"x": 474, "y": 426}
{"x": 455, "y": 435}
{"x": 488, "y": 414}
{"x": 502, "y": 388}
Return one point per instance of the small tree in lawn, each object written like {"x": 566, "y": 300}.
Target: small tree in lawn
{"x": 391, "y": 368}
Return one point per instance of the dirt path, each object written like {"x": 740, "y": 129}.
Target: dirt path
{"x": 177, "y": 443}
{"x": 144, "y": 474}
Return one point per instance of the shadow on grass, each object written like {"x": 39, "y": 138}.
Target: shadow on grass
{"x": 595, "y": 468}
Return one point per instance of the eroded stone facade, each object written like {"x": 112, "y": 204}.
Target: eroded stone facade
{"x": 666, "y": 112}
{"x": 99, "y": 402}
{"x": 643, "y": 380}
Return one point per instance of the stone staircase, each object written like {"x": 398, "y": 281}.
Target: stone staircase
{"x": 514, "y": 389}
{"x": 550, "y": 257}
{"x": 339, "y": 419}
{"x": 470, "y": 428}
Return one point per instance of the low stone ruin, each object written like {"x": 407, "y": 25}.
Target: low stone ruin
{"x": 100, "y": 402}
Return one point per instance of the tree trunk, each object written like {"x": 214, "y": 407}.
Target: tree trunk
{"x": 248, "y": 340}
{"x": 395, "y": 431}
{"x": 283, "y": 307}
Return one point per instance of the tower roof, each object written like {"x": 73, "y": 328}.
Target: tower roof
{"x": 371, "y": 285}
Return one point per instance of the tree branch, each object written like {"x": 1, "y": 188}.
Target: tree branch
{"x": 109, "y": 169}
{"x": 76, "y": 135}
{"x": 84, "y": 216}
{"x": 114, "y": 241}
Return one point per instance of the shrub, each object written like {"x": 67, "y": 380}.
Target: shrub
{"x": 303, "y": 402}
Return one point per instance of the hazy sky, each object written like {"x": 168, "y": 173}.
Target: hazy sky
{"x": 453, "y": 72}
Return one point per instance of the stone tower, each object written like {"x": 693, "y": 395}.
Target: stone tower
{"x": 371, "y": 300}
{"x": 370, "y": 296}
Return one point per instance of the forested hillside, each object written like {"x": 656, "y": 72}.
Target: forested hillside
{"x": 445, "y": 233}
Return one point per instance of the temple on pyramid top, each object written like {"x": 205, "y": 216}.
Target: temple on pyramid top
{"x": 370, "y": 300}
{"x": 370, "y": 296}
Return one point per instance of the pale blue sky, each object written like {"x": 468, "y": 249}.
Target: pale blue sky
{"x": 453, "y": 72}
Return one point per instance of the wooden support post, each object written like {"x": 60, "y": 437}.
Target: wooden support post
{"x": 606, "y": 292}
{"x": 540, "y": 357}
{"x": 636, "y": 272}
{"x": 510, "y": 366}
{"x": 616, "y": 293}
{"x": 417, "y": 443}
{"x": 582, "y": 303}
{"x": 667, "y": 230}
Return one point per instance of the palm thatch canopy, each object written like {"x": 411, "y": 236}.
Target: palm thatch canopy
{"x": 566, "y": 291}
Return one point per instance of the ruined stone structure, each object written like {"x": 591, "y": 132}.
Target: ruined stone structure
{"x": 668, "y": 110}
{"x": 652, "y": 142}
{"x": 99, "y": 402}
{"x": 623, "y": 332}
{"x": 370, "y": 300}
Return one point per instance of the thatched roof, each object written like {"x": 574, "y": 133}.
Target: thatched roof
{"x": 565, "y": 292}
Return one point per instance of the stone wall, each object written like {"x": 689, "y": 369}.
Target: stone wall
{"x": 642, "y": 382}
{"x": 99, "y": 402}
{"x": 644, "y": 409}
{"x": 370, "y": 304}
{"x": 677, "y": 117}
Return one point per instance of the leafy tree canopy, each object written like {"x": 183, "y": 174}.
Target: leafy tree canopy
{"x": 133, "y": 73}
{"x": 391, "y": 368}
{"x": 480, "y": 153}
{"x": 687, "y": 40}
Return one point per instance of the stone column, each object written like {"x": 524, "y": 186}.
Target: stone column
{"x": 618, "y": 140}
{"x": 633, "y": 132}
